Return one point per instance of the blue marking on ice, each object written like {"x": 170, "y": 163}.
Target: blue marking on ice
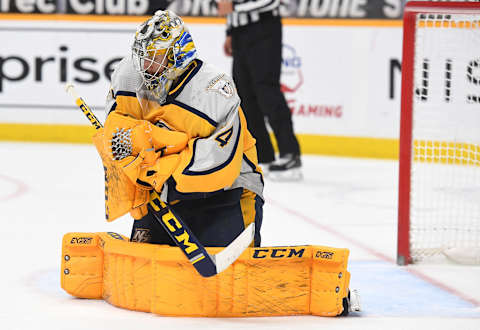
{"x": 388, "y": 290}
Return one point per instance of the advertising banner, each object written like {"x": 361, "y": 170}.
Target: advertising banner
{"x": 337, "y": 80}
{"x": 345, "y": 9}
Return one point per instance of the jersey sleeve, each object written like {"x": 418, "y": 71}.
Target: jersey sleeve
{"x": 212, "y": 160}
{"x": 212, "y": 163}
{"x": 122, "y": 96}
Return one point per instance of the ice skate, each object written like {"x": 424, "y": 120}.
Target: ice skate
{"x": 287, "y": 168}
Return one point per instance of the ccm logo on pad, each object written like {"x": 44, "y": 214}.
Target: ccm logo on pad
{"x": 278, "y": 253}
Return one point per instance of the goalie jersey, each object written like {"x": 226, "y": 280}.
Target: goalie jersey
{"x": 202, "y": 103}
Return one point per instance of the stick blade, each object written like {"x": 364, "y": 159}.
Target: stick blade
{"x": 231, "y": 253}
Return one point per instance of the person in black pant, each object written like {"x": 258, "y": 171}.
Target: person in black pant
{"x": 254, "y": 39}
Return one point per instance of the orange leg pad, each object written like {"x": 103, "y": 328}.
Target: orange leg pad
{"x": 265, "y": 281}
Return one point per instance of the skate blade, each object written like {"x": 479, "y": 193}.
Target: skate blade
{"x": 354, "y": 305}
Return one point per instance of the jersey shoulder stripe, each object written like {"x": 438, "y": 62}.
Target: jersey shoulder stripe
{"x": 126, "y": 93}
{"x": 195, "y": 111}
{"x": 183, "y": 80}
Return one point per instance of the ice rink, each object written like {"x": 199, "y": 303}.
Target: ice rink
{"x": 47, "y": 190}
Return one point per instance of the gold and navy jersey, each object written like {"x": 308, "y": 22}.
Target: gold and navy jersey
{"x": 204, "y": 104}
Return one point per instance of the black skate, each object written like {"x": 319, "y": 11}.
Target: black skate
{"x": 287, "y": 168}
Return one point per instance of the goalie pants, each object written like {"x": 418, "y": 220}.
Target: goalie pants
{"x": 215, "y": 221}
{"x": 257, "y": 57}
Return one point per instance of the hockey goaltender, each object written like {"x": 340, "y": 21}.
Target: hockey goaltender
{"x": 178, "y": 156}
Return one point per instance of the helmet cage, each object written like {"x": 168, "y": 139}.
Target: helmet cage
{"x": 153, "y": 64}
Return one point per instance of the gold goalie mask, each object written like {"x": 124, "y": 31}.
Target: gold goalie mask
{"x": 162, "y": 50}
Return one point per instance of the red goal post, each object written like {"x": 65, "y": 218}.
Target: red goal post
{"x": 433, "y": 95}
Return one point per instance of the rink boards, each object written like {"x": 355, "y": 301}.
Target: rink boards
{"x": 341, "y": 78}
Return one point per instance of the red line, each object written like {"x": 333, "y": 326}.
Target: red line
{"x": 374, "y": 252}
{"x": 332, "y": 231}
{"x": 442, "y": 286}
{"x": 21, "y": 188}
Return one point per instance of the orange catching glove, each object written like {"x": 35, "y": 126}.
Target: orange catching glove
{"x": 129, "y": 149}
{"x": 127, "y": 136}
{"x": 155, "y": 176}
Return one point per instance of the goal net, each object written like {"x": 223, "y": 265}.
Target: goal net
{"x": 439, "y": 183}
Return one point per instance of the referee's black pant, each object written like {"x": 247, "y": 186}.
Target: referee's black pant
{"x": 257, "y": 57}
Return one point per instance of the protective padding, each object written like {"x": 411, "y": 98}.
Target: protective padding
{"x": 266, "y": 281}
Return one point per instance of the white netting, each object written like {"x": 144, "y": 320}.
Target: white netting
{"x": 445, "y": 179}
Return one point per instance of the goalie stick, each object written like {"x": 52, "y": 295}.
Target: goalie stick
{"x": 205, "y": 263}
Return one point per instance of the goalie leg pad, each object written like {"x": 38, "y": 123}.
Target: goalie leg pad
{"x": 266, "y": 281}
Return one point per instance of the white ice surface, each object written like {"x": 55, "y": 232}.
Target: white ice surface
{"x": 47, "y": 190}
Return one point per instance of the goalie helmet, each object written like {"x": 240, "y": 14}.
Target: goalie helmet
{"x": 162, "y": 50}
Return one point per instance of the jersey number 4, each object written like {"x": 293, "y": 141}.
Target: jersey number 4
{"x": 224, "y": 137}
